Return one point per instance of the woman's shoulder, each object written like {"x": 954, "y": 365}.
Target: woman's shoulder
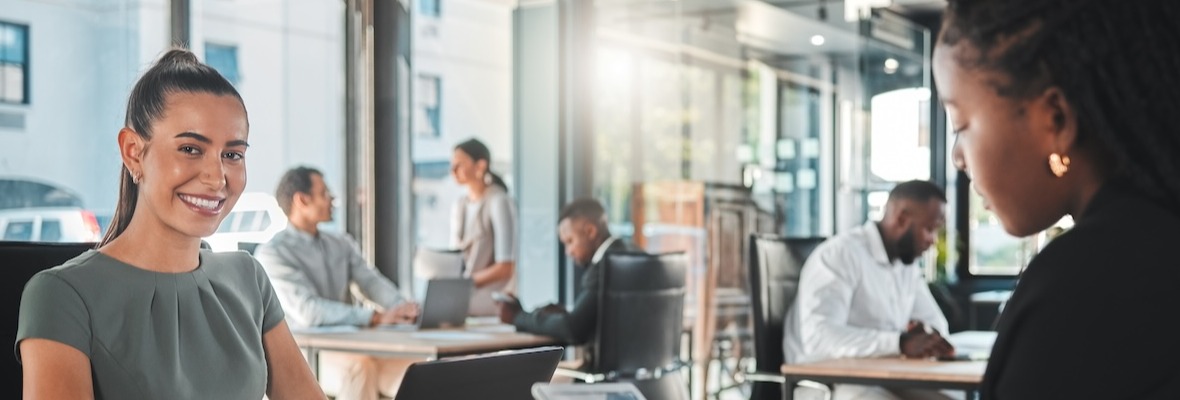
{"x": 1126, "y": 236}
{"x": 86, "y": 273}
{"x": 497, "y": 197}
{"x": 81, "y": 267}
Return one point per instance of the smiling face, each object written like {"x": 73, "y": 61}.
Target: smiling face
{"x": 193, "y": 169}
{"x": 465, "y": 169}
{"x": 1004, "y": 143}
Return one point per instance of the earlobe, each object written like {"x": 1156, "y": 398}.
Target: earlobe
{"x": 131, "y": 150}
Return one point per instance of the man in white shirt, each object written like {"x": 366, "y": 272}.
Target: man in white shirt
{"x": 861, "y": 296}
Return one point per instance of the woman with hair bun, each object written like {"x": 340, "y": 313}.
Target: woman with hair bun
{"x": 149, "y": 314}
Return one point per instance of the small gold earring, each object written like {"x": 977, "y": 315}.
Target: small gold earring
{"x": 1059, "y": 164}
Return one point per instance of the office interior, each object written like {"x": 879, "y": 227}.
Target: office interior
{"x": 696, "y": 123}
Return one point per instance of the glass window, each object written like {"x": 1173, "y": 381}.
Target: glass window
{"x": 429, "y": 106}
{"x": 994, "y": 251}
{"x": 245, "y": 223}
{"x": 293, "y": 52}
{"x": 50, "y": 230}
{"x": 430, "y": 8}
{"x": 228, "y": 224}
{"x": 223, "y": 58}
{"x": 264, "y": 223}
{"x": 14, "y": 63}
{"x": 462, "y": 66}
{"x": 900, "y": 137}
{"x": 19, "y": 231}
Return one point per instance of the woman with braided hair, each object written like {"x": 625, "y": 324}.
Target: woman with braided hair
{"x": 1068, "y": 107}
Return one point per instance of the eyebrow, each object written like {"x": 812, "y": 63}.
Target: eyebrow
{"x": 201, "y": 138}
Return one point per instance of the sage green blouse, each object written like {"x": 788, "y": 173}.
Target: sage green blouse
{"x": 152, "y": 335}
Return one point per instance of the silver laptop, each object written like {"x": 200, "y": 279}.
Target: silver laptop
{"x": 444, "y": 307}
{"x": 586, "y": 391}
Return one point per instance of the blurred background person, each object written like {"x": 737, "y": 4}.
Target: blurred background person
{"x": 313, "y": 270}
{"x": 483, "y": 226}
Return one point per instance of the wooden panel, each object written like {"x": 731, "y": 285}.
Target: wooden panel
{"x": 968, "y": 372}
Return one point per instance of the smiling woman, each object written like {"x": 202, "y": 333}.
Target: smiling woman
{"x": 205, "y": 325}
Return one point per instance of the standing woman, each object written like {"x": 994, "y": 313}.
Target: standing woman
{"x": 483, "y": 226}
{"x": 150, "y": 315}
{"x": 1068, "y": 107}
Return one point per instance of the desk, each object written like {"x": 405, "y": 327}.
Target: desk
{"x": 899, "y": 372}
{"x": 426, "y": 344}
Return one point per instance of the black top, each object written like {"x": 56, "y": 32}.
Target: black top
{"x": 577, "y": 325}
{"x": 1094, "y": 315}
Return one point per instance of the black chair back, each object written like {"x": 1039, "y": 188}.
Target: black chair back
{"x": 775, "y": 264}
{"x": 641, "y": 312}
{"x": 21, "y": 261}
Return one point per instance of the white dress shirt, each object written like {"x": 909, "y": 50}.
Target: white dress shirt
{"x": 853, "y": 302}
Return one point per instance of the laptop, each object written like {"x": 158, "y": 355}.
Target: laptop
{"x": 445, "y": 305}
{"x": 432, "y": 263}
{"x": 505, "y": 375}
{"x": 587, "y": 391}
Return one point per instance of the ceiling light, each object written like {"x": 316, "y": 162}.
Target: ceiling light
{"x": 817, "y": 40}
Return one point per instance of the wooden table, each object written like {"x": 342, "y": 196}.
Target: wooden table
{"x": 422, "y": 344}
{"x": 890, "y": 372}
{"x": 899, "y": 372}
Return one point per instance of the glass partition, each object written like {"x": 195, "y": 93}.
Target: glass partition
{"x": 59, "y": 163}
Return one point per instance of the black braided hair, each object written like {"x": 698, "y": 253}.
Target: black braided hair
{"x": 1116, "y": 61}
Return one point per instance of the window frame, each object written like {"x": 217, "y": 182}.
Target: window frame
{"x": 435, "y": 119}
{"x": 435, "y": 12}
{"x": 236, "y": 78}
{"x": 25, "y": 81}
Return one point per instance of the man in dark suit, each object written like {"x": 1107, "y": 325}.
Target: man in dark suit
{"x": 582, "y": 229}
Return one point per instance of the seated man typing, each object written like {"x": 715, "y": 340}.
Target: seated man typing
{"x": 582, "y": 229}
{"x": 311, "y": 271}
{"x": 860, "y": 294}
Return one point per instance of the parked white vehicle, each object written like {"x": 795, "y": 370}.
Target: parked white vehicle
{"x": 254, "y": 220}
{"x": 49, "y": 224}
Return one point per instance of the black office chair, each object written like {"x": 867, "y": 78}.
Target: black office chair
{"x": 22, "y": 260}
{"x": 640, "y": 316}
{"x": 775, "y": 265}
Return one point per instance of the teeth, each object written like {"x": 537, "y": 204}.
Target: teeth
{"x": 199, "y": 202}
